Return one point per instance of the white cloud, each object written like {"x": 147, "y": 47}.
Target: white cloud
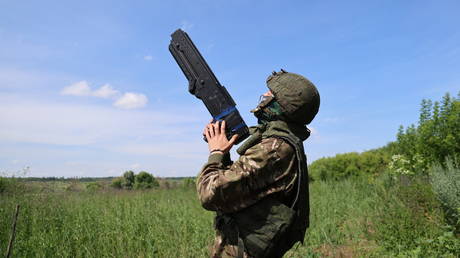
{"x": 68, "y": 139}
{"x": 131, "y": 100}
{"x": 106, "y": 91}
{"x": 128, "y": 100}
{"x": 148, "y": 58}
{"x": 31, "y": 121}
{"x": 80, "y": 88}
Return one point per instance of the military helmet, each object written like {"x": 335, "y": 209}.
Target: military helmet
{"x": 297, "y": 96}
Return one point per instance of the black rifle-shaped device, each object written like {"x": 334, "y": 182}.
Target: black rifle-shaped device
{"x": 205, "y": 86}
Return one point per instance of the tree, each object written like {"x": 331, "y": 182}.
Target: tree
{"x": 129, "y": 178}
{"x": 436, "y": 137}
{"x": 145, "y": 180}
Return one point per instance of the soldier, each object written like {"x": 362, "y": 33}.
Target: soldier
{"x": 261, "y": 200}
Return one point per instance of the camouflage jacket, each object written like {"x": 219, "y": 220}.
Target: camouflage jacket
{"x": 267, "y": 168}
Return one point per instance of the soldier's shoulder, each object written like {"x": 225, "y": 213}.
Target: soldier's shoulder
{"x": 276, "y": 145}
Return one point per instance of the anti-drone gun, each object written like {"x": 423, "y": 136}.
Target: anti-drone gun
{"x": 204, "y": 85}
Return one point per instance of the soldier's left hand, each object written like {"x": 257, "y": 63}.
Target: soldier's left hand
{"x": 217, "y": 140}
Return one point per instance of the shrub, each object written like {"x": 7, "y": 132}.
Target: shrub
{"x": 446, "y": 185}
{"x": 145, "y": 180}
{"x": 93, "y": 186}
{"x": 117, "y": 183}
{"x": 352, "y": 164}
{"x": 402, "y": 166}
{"x": 417, "y": 194}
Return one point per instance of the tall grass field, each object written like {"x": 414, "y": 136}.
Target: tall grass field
{"x": 349, "y": 218}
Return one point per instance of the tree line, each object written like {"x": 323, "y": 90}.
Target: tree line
{"x": 422, "y": 164}
{"x": 434, "y": 140}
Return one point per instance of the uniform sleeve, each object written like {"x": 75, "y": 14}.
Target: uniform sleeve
{"x": 265, "y": 168}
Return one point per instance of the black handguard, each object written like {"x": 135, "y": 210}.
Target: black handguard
{"x": 205, "y": 86}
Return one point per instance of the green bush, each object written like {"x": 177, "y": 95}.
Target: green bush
{"x": 93, "y": 186}
{"x": 352, "y": 164}
{"x": 417, "y": 194}
{"x": 338, "y": 167}
{"x": 145, "y": 180}
{"x": 446, "y": 185}
{"x": 117, "y": 183}
{"x": 401, "y": 166}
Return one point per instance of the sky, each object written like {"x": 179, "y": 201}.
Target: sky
{"x": 89, "y": 88}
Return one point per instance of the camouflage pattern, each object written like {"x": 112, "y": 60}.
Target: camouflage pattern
{"x": 266, "y": 173}
{"x": 266, "y": 168}
{"x": 298, "y": 97}
{"x": 222, "y": 248}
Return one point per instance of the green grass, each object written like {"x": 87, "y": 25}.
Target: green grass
{"x": 350, "y": 218}
{"x": 163, "y": 223}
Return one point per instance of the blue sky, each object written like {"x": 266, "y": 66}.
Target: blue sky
{"x": 89, "y": 88}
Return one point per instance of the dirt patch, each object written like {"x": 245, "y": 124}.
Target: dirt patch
{"x": 326, "y": 250}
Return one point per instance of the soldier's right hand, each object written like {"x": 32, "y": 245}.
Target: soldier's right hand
{"x": 217, "y": 139}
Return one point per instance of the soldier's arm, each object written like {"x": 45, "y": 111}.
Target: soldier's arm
{"x": 264, "y": 169}
{"x": 226, "y": 160}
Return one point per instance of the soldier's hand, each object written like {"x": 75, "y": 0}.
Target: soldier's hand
{"x": 217, "y": 140}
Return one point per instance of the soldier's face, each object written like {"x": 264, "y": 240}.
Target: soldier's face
{"x": 265, "y": 98}
{"x": 268, "y": 93}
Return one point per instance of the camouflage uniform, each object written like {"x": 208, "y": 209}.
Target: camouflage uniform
{"x": 268, "y": 169}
